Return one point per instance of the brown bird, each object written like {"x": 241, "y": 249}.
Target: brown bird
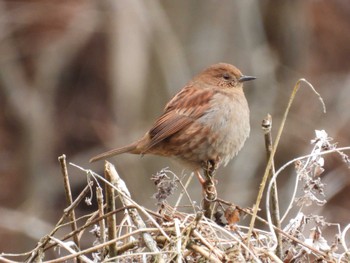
{"x": 204, "y": 125}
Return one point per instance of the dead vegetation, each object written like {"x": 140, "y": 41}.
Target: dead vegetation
{"x": 180, "y": 232}
{"x": 170, "y": 235}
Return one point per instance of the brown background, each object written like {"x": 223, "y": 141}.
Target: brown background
{"x": 79, "y": 77}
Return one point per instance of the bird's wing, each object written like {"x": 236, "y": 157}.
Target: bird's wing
{"x": 187, "y": 106}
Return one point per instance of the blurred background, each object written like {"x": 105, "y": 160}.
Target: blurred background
{"x": 80, "y": 77}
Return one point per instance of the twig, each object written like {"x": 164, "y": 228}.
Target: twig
{"x": 111, "y": 220}
{"x": 184, "y": 191}
{"x": 127, "y": 246}
{"x": 91, "y": 221}
{"x": 67, "y": 211}
{"x": 99, "y": 196}
{"x": 134, "y": 215}
{"x": 271, "y": 255}
{"x": 241, "y": 243}
{"x": 62, "y": 244}
{"x": 46, "y": 239}
{"x": 266, "y": 127}
{"x": 99, "y": 246}
{"x": 69, "y": 199}
{"x": 277, "y": 173}
{"x": 342, "y": 239}
{"x": 205, "y": 242}
{"x": 274, "y": 228}
{"x": 80, "y": 197}
{"x": 5, "y": 260}
{"x": 278, "y": 137}
{"x": 205, "y": 253}
{"x": 140, "y": 254}
{"x": 187, "y": 231}
{"x": 178, "y": 240}
{"x": 288, "y": 236}
{"x": 132, "y": 202}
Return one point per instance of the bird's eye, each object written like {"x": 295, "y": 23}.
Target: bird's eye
{"x": 226, "y": 76}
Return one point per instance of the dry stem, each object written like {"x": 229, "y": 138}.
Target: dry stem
{"x": 69, "y": 198}
{"x": 274, "y": 148}
{"x": 110, "y": 201}
{"x": 275, "y": 213}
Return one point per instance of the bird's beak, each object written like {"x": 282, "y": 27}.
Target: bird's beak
{"x": 246, "y": 78}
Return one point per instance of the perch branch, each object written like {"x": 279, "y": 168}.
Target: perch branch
{"x": 209, "y": 191}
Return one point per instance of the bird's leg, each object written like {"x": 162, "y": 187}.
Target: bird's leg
{"x": 209, "y": 186}
{"x": 209, "y": 169}
{"x": 200, "y": 178}
{"x": 209, "y": 189}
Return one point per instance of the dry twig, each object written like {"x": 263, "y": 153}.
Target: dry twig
{"x": 69, "y": 198}
{"x": 267, "y": 126}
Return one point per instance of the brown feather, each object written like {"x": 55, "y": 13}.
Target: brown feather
{"x": 131, "y": 148}
{"x": 178, "y": 116}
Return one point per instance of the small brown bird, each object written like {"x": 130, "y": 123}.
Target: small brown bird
{"x": 206, "y": 123}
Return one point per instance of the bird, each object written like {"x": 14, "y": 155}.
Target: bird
{"x": 203, "y": 126}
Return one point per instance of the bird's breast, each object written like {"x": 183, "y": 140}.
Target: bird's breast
{"x": 228, "y": 121}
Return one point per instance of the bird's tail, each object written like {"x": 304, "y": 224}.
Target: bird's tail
{"x": 131, "y": 148}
